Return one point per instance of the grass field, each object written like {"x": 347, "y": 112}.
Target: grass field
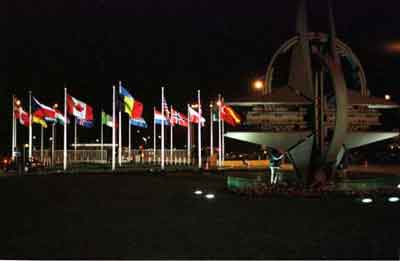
{"x": 139, "y": 216}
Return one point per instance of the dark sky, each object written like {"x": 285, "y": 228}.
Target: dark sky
{"x": 215, "y": 46}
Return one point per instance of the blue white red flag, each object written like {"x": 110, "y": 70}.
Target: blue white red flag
{"x": 178, "y": 118}
{"x": 84, "y": 123}
{"x": 158, "y": 118}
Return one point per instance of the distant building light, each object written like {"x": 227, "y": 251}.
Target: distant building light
{"x": 367, "y": 200}
{"x": 398, "y": 186}
{"x": 198, "y": 192}
{"x": 394, "y": 199}
{"x": 387, "y": 97}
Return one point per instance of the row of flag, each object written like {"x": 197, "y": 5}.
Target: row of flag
{"x": 42, "y": 114}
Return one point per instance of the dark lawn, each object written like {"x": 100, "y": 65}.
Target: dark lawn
{"x": 144, "y": 217}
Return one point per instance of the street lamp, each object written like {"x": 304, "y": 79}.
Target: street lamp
{"x": 258, "y": 85}
{"x": 387, "y": 97}
{"x": 18, "y": 103}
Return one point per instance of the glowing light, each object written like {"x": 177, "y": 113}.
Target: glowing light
{"x": 258, "y": 85}
{"x": 26, "y": 145}
{"x": 18, "y": 103}
{"x": 394, "y": 199}
{"x": 198, "y": 192}
{"x": 219, "y": 103}
{"x": 398, "y": 186}
{"x": 367, "y": 200}
{"x": 210, "y": 196}
{"x": 393, "y": 47}
{"x": 387, "y": 97}
{"x": 55, "y": 106}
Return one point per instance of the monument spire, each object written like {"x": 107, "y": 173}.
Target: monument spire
{"x": 300, "y": 77}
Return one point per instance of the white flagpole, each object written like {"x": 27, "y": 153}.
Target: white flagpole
{"x": 41, "y": 143}
{"x": 219, "y": 132}
{"x": 52, "y": 143}
{"x": 65, "y": 129}
{"x": 129, "y": 139}
{"x": 101, "y": 136}
{"x": 30, "y": 126}
{"x": 75, "y": 138}
{"x": 120, "y": 131}
{"x": 199, "y": 129}
{"x": 162, "y": 129}
{"x": 171, "y": 145}
{"x": 154, "y": 136}
{"x": 188, "y": 136}
{"x": 211, "y": 131}
{"x": 13, "y": 129}
{"x": 223, "y": 143}
{"x": 113, "y": 129}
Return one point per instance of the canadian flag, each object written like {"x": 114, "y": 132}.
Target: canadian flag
{"x": 79, "y": 109}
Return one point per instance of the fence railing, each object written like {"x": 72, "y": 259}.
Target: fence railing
{"x": 178, "y": 157}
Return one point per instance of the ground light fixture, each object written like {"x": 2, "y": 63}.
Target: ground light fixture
{"x": 394, "y": 199}
{"x": 366, "y": 200}
{"x": 198, "y": 192}
{"x": 210, "y": 196}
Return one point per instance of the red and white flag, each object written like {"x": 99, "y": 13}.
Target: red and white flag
{"x": 23, "y": 116}
{"x": 178, "y": 118}
{"x": 79, "y": 109}
{"x": 194, "y": 117}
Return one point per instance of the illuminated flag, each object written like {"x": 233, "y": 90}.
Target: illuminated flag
{"x": 79, "y": 109}
{"x": 39, "y": 121}
{"x": 42, "y": 111}
{"x": 158, "y": 118}
{"x": 229, "y": 115}
{"x": 132, "y": 107}
{"x": 141, "y": 123}
{"x": 23, "y": 116}
{"x": 194, "y": 117}
{"x": 84, "y": 123}
{"x": 107, "y": 120}
{"x": 165, "y": 105}
{"x": 178, "y": 118}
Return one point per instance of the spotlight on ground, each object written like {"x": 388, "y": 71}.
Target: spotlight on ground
{"x": 394, "y": 199}
{"x": 210, "y": 196}
{"x": 198, "y": 192}
{"x": 366, "y": 200}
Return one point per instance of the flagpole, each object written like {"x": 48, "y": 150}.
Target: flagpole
{"x": 219, "y": 132}
{"x": 130, "y": 139}
{"x": 199, "y": 129}
{"x": 162, "y": 129}
{"x": 75, "y": 137}
{"x": 13, "y": 129}
{"x": 171, "y": 146}
{"x": 154, "y": 135}
{"x": 41, "y": 143}
{"x": 223, "y": 143}
{"x": 65, "y": 129}
{"x": 188, "y": 136}
{"x": 52, "y": 142}
{"x": 101, "y": 136}
{"x": 211, "y": 131}
{"x": 113, "y": 129}
{"x": 30, "y": 127}
{"x": 120, "y": 131}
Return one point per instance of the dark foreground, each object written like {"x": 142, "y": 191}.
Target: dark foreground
{"x": 142, "y": 217}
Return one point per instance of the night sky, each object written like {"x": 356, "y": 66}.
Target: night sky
{"x": 215, "y": 46}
